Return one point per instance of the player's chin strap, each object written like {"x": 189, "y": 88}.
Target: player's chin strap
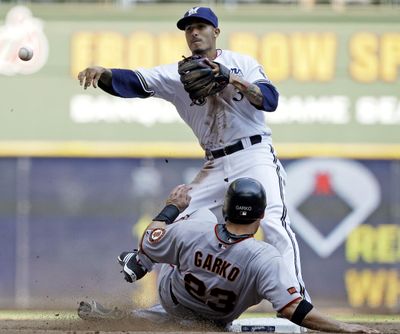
{"x": 301, "y": 311}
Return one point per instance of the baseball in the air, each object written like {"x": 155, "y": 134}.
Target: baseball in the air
{"x": 25, "y": 53}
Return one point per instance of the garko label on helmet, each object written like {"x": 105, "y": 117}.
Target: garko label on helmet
{"x": 245, "y": 201}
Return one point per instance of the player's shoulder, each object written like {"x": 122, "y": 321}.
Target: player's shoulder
{"x": 173, "y": 67}
{"x": 197, "y": 221}
{"x": 164, "y": 69}
{"x": 237, "y": 57}
{"x": 203, "y": 214}
{"x": 262, "y": 250}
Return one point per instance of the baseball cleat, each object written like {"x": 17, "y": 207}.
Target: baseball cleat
{"x": 94, "y": 311}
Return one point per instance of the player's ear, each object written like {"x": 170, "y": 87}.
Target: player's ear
{"x": 216, "y": 32}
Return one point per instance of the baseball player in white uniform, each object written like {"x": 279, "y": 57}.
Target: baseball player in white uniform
{"x": 213, "y": 272}
{"x": 230, "y": 127}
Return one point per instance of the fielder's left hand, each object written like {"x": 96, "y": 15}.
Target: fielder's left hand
{"x": 180, "y": 197}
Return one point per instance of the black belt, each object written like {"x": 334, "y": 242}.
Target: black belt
{"x": 175, "y": 301}
{"x": 256, "y": 139}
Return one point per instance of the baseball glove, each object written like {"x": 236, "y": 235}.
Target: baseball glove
{"x": 199, "y": 79}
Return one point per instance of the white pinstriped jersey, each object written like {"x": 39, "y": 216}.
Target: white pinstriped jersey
{"x": 224, "y": 118}
{"x": 215, "y": 276}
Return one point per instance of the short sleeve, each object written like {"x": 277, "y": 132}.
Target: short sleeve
{"x": 275, "y": 283}
{"x": 161, "y": 245}
{"x": 167, "y": 245}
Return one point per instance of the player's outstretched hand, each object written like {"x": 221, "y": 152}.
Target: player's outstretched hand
{"x": 91, "y": 76}
{"x": 179, "y": 197}
{"x": 132, "y": 267}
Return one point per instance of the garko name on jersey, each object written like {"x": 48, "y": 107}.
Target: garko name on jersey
{"x": 216, "y": 265}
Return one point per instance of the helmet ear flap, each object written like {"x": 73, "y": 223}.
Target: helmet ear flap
{"x": 245, "y": 201}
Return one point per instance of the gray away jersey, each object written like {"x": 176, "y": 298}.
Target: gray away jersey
{"x": 217, "y": 277}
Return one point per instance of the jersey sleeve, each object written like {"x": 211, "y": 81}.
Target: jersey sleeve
{"x": 161, "y": 245}
{"x": 161, "y": 80}
{"x": 167, "y": 245}
{"x": 275, "y": 283}
{"x": 255, "y": 74}
{"x": 127, "y": 84}
{"x": 270, "y": 94}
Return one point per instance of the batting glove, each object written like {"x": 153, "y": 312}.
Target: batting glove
{"x": 132, "y": 267}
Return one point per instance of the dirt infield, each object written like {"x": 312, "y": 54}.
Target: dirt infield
{"x": 77, "y": 326}
{"x": 71, "y": 324}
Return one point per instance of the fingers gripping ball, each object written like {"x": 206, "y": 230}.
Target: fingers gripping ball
{"x": 25, "y": 53}
{"x": 199, "y": 79}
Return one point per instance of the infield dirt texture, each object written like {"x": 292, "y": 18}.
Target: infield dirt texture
{"x": 57, "y": 322}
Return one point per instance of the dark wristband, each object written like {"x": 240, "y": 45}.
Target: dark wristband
{"x": 168, "y": 214}
{"x": 301, "y": 311}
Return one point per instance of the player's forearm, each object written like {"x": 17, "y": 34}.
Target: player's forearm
{"x": 123, "y": 83}
{"x": 251, "y": 91}
{"x": 106, "y": 77}
{"x": 317, "y": 321}
{"x": 301, "y": 314}
{"x": 177, "y": 201}
{"x": 320, "y": 322}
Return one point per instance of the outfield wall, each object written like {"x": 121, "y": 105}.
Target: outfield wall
{"x": 337, "y": 74}
{"x": 63, "y": 222}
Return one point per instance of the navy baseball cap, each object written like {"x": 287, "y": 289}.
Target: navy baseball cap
{"x": 201, "y": 13}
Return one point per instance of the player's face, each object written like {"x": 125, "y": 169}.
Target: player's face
{"x": 201, "y": 37}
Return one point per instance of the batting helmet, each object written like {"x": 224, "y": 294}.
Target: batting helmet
{"x": 245, "y": 201}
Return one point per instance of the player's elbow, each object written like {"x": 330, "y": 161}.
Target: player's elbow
{"x": 273, "y": 105}
{"x": 289, "y": 309}
{"x": 270, "y": 96}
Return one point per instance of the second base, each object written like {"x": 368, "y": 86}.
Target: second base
{"x": 269, "y": 325}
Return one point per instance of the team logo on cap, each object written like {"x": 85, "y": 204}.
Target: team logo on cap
{"x": 193, "y": 11}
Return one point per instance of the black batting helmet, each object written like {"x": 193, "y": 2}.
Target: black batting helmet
{"x": 245, "y": 201}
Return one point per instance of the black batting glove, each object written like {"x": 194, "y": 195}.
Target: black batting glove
{"x": 132, "y": 269}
